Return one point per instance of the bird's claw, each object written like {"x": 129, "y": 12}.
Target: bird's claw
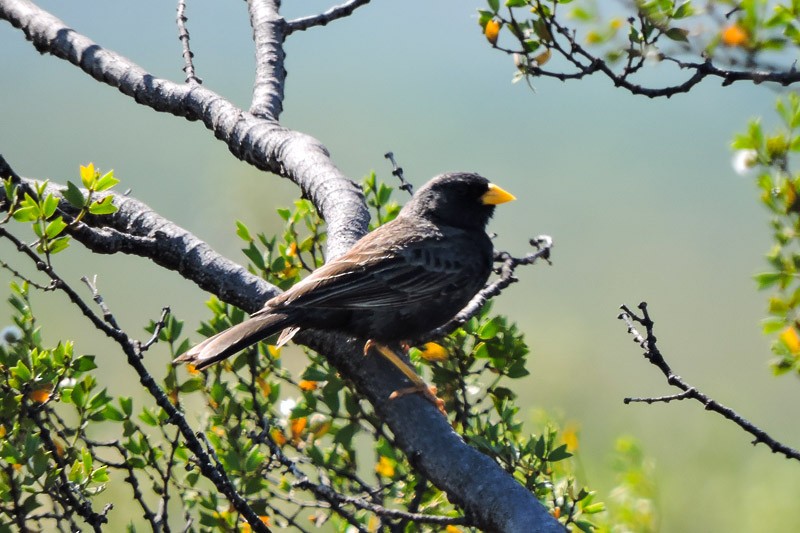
{"x": 427, "y": 391}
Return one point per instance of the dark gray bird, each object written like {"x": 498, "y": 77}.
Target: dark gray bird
{"x": 398, "y": 282}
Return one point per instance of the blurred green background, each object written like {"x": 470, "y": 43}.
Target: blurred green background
{"x": 638, "y": 194}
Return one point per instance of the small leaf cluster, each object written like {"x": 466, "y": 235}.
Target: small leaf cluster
{"x": 378, "y": 196}
{"x": 482, "y": 355}
{"x": 771, "y": 155}
{"x": 282, "y": 262}
{"x": 41, "y": 208}
{"x": 41, "y": 454}
{"x": 632, "y": 501}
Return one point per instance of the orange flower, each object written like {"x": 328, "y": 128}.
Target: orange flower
{"x": 306, "y": 385}
{"x": 734, "y": 35}
{"x": 278, "y": 436}
{"x": 433, "y": 352}
{"x": 42, "y": 394}
{"x": 492, "y": 30}
{"x": 266, "y": 388}
{"x": 297, "y": 426}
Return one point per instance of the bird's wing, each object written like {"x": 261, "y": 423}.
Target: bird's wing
{"x": 372, "y": 276}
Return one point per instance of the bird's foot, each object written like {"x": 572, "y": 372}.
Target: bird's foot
{"x": 419, "y": 386}
{"x": 427, "y": 391}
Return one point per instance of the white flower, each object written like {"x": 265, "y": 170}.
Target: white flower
{"x": 10, "y": 335}
{"x": 286, "y": 406}
{"x": 743, "y": 161}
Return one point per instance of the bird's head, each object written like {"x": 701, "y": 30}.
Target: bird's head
{"x": 459, "y": 199}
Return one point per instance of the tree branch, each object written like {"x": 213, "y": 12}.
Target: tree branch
{"x": 262, "y": 142}
{"x": 653, "y": 354}
{"x": 269, "y": 32}
{"x": 336, "y": 12}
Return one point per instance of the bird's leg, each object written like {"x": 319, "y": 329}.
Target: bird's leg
{"x": 419, "y": 386}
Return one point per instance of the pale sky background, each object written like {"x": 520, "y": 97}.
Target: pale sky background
{"x": 638, "y": 194}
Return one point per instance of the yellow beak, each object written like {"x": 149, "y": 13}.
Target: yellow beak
{"x": 495, "y": 195}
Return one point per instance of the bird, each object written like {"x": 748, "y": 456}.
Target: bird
{"x": 398, "y": 282}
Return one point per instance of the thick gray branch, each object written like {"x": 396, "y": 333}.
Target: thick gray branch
{"x": 268, "y": 35}
{"x": 259, "y": 141}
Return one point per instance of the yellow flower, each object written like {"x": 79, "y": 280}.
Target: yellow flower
{"x": 570, "y": 436}
{"x": 385, "y": 467}
{"x": 274, "y": 351}
{"x": 791, "y": 339}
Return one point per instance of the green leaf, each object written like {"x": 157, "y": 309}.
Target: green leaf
{"x": 598, "y": 507}
{"x": 126, "y": 402}
{"x": 767, "y": 279}
{"x": 106, "y": 181}
{"x": 772, "y": 325}
{"x": 255, "y": 256}
{"x": 538, "y": 449}
{"x": 101, "y": 475}
{"x": 191, "y": 385}
{"x": 488, "y": 330}
{"x": 284, "y": 213}
{"x": 55, "y": 227}
{"x": 26, "y": 214}
{"x": 559, "y": 454}
{"x": 84, "y": 363}
{"x": 678, "y": 34}
{"x": 516, "y": 3}
{"x": 148, "y": 418}
{"x": 494, "y": 5}
{"x": 243, "y": 232}
{"x": 103, "y": 206}
{"x": 22, "y": 372}
{"x": 74, "y": 195}
{"x": 112, "y": 413}
{"x": 49, "y": 206}
{"x": 86, "y": 458}
{"x": 684, "y": 10}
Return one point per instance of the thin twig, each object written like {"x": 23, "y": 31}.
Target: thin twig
{"x": 98, "y": 299}
{"x": 334, "y": 13}
{"x": 653, "y": 354}
{"x": 397, "y": 171}
{"x": 543, "y": 245}
{"x": 162, "y": 322}
{"x": 183, "y": 36}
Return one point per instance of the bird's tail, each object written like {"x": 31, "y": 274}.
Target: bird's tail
{"x": 233, "y": 339}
